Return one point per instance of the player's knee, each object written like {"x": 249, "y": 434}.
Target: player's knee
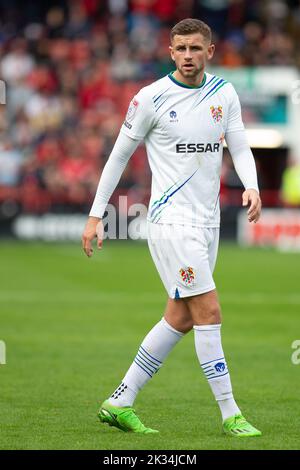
{"x": 210, "y": 314}
{"x": 213, "y": 314}
{"x": 205, "y": 313}
{"x": 182, "y": 325}
{"x": 187, "y": 326}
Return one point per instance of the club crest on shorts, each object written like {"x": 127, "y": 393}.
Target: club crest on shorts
{"x": 188, "y": 276}
{"x": 217, "y": 113}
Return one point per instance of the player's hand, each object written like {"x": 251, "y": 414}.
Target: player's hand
{"x": 94, "y": 228}
{"x": 251, "y": 196}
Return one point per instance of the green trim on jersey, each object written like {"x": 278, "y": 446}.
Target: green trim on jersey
{"x": 220, "y": 86}
{"x": 153, "y": 217}
{"x": 159, "y": 200}
{"x": 184, "y": 85}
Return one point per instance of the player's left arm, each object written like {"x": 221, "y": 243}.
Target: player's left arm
{"x": 244, "y": 165}
{"x": 251, "y": 196}
{"x": 242, "y": 158}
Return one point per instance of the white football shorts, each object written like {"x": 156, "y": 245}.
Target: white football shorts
{"x": 184, "y": 257}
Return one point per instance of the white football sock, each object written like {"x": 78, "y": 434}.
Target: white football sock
{"x": 152, "y": 352}
{"x": 211, "y": 357}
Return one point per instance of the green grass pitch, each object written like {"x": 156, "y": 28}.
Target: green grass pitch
{"x": 72, "y": 326}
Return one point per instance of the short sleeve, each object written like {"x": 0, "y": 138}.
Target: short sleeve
{"x": 234, "y": 120}
{"x": 139, "y": 119}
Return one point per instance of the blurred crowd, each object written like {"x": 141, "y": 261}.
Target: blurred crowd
{"x": 71, "y": 68}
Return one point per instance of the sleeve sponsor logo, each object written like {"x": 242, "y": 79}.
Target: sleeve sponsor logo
{"x": 126, "y": 124}
{"x": 131, "y": 110}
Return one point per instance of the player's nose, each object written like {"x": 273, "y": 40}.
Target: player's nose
{"x": 187, "y": 54}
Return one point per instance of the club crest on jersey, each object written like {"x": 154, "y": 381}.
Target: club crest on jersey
{"x": 131, "y": 110}
{"x": 217, "y": 113}
{"x": 188, "y": 276}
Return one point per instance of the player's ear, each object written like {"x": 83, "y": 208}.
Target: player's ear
{"x": 171, "y": 52}
{"x": 210, "y": 51}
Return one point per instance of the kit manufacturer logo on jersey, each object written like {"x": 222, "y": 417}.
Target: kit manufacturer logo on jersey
{"x": 188, "y": 276}
{"x": 217, "y": 113}
{"x": 173, "y": 116}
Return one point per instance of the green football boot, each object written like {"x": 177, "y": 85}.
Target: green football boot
{"x": 237, "y": 426}
{"x": 123, "y": 418}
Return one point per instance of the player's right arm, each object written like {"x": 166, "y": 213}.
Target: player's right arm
{"x": 90, "y": 232}
{"x": 138, "y": 122}
{"x": 123, "y": 149}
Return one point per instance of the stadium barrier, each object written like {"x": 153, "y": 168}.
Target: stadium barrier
{"x": 279, "y": 228}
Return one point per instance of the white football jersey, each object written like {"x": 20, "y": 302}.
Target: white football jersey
{"x": 184, "y": 129}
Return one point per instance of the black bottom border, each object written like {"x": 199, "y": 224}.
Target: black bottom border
{"x": 145, "y": 458}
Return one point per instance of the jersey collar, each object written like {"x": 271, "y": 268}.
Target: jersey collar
{"x": 183, "y": 85}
